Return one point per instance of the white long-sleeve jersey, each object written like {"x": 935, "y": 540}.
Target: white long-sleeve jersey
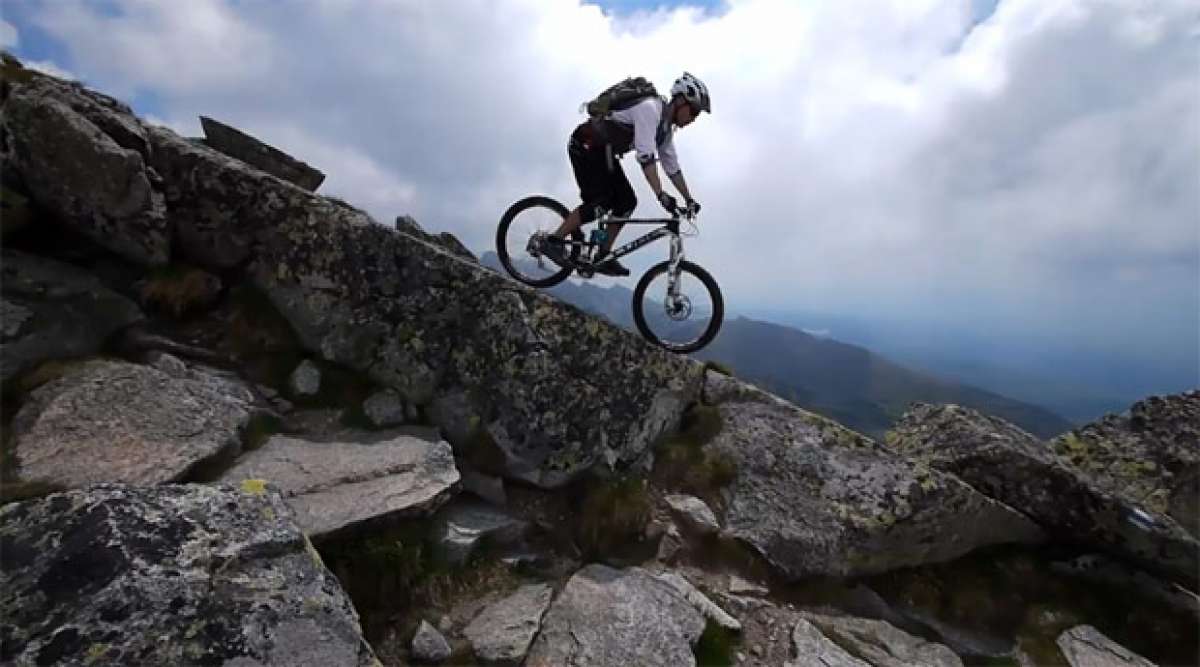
{"x": 645, "y": 118}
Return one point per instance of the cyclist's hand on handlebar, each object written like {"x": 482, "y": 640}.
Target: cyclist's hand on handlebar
{"x": 668, "y": 202}
{"x": 691, "y": 208}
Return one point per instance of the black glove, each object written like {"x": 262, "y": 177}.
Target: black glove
{"x": 668, "y": 202}
{"x": 692, "y": 208}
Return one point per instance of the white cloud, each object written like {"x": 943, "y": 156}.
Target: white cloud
{"x": 1035, "y": 169}
{"x": 177, "y": 48}
{"x": 9, "y": 37}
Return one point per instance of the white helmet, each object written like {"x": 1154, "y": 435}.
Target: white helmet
{"x": 693, "y": 90}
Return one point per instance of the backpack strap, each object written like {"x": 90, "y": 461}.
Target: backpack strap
{"x": 664, "y": 123}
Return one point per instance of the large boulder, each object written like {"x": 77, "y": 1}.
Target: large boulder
{"x": 1149, "y": 455}
{"x": 492, "y": 359}
{"x": 235, "y": 143}
{"x": 52, "y": 310}
{"x": 815, "y": 498}
{"x": 617, "y": 617}
{"x": 503, "y": 631}
{"x": 60, "y": 147}
{"x": 168, "y": 575}
{"x": 336, "y": 486}
{"x": 113, "y": 421}
{"x": 1111, "y": 507}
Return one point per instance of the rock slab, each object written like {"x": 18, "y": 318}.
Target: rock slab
{"x": 694, "y": 513}
{"x": 337, "y": 486}
{"x": 168, "y": 575}
{"x": 52, "y": 310}
{"x": 113, "y": 421}
{"x": 237, "y": 144}
{"x": 607, "y": 617}
{"x": 815, "y": 498}
{"x": 813, "y": 648}
{"x": 1110, "y": 485}
{"x": 465, "y": 524}
{"x": 882, "y": 644}
{"x": 1085, "y": 646}
{"x": 428, "y": 645}
{"x": 503, "y": 631}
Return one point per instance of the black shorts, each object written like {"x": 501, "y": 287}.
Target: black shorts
{"x": 601, "y": 180}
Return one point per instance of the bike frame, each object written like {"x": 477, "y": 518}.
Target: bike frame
{"x": 670, "y": 228}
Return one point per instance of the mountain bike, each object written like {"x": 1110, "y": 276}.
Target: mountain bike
{"x": 676, "y": 304}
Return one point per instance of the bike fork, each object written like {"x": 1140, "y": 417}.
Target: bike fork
{"x": 673, "y": 266}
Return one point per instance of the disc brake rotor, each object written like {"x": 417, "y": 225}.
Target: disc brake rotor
{"x": 678, "y": 308}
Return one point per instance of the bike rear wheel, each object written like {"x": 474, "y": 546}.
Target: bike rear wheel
{"x": 683, "y": 323}
{"x": 516, "y": 247}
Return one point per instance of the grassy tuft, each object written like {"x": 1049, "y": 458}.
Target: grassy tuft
{"x": 45, "y": 372}
{"x": 178, "y": 290}
{"x": 258, "y": 335}
{"x": 613, "y": 515}
{"x": 259, "y": 430}
{"x": 12, "y": 71}
{"x": 715, "y": 646}
{"x": 481, "y": 452}
{"x": 398, "y": 572}
{"x": 683, "y": 463}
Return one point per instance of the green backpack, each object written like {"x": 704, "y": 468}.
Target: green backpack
{"x": 620, "y": 96}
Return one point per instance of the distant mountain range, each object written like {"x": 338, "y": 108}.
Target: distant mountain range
{"x": 847, "y": 383}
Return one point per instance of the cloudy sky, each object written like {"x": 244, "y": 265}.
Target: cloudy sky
{"x": 1016, "y": 168}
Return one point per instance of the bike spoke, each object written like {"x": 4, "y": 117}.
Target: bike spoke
{"x": 678, "y": 321}
{"x": 520, "y": 239}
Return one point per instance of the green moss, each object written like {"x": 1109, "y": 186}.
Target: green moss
{"x": 613, "y": 515}
{"x": 254, "y": 487}
{"x": 95, "y": 653}
{"x": 715, "y": 646}
{"x": 1075, "y": 449}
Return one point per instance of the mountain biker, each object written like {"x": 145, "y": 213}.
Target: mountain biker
{"x": 648, "y": 128}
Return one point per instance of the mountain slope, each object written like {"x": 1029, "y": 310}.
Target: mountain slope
{"x": 847, "y": 383}
{"x": 850, "y": 383}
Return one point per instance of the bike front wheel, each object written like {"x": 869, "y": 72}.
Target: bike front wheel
{"x": 517, "y": 245}
{"x": 684, "y": 321}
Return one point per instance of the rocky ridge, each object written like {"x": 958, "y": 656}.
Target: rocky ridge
{"x": 209, "y": 369}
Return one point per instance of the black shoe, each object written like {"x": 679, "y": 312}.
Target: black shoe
{"x": 611, "y": 267}
{"x": 555, "y": 250}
